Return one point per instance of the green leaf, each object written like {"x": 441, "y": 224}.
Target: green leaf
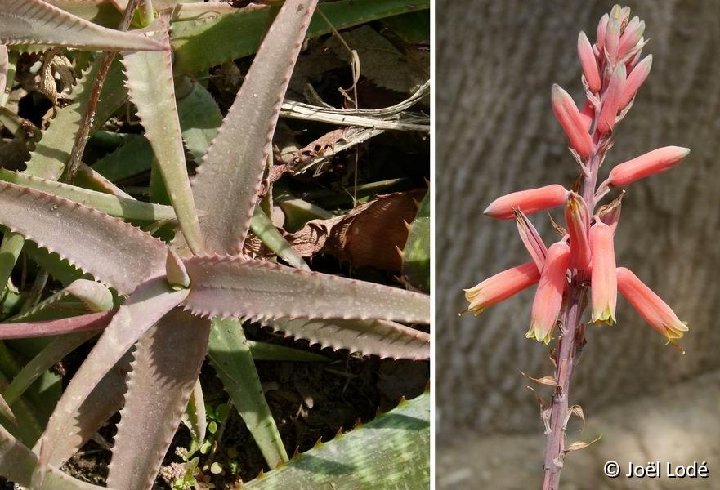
{"x": 208, "y": 36}
{"x": 132, "y": 158}
{"x": 195, "y": 417}
{"x": 266, "y": 231}
{"x": 199, "y": 115}
{"x": 150, "y": 86}
{"x": 58, "y": 268}
{"x": 264, "y": 351}
{"x": 229, "y": 354}
{"x": 416, "y": 256}
{"x": 44, "y": 360}
{"x": 53, "y": 151}
{"x": 392, "y": 451}
{"x": 122, "y": 207}
{"x": 412, "y": 28}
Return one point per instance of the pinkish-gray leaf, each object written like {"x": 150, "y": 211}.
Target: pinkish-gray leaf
{"x": 113, "y": 251}
{"x": 237, "y": 287}
{"x": 3, "y": 69}
{"x": 106, "y": 399}
{"x": 47, "y": 328}
{"x": 20, "y": 465}
{"x": 167, "y": 363}
{"x": 379, "y": 337}
{"x": 147, "y": 305}
{"x": 228, "y": 181}
{"x": 37, "y": 22}
{"x": 150, "y": 86}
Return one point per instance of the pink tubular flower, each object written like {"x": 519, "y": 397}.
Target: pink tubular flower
{"x": 568, "y": 115}
{"x": 548, "y": 298}
{"x": 604, "y": 280}
{"x": 635, "y": 80}
{"x": 577, "y": 219}
{"x": 611, "y": 100}
{"x": 589, "y": 63}
{"x": 653, "y": 309}
{"x": 650, "y": 163}
{"x": 501, "y": 286}
{"x": 528, "y": 201}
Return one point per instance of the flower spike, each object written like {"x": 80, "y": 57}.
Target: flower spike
{"x": 604, "y": 281}
{"x": 548, "y": 298}
{"x": 528, "y": 201}
{"x": 568, "y": 115}
{"x": 650, "y": 163}
{"x": 501, "y": 286}
{"x": 653, "y": 309}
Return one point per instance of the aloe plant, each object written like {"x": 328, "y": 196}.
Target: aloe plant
{"x": 171, "y": 295}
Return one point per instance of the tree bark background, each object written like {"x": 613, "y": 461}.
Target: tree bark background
{"x": 496, "y": 62}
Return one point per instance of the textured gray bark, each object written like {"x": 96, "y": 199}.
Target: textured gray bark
{"x": 496, "y": 61}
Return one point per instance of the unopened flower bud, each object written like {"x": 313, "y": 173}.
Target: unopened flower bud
{"x": 501, "y": 286}
{"x": 621, "y": 14}
{"x": 635, "y": 80}
{"x": 602, "y": 32}
{"x": 528, "y": 201}
{"x": 611, "y": 100}
{"x": 548, "y": 298}
{"x": 587, "y": 114}
{"x": 650, "y": 163}
{"x": 568, "y": 115}
{"x": 653, "y": 309}
{"x": 604, "y": 280}
{"x": 589, "y": 63}
{"x": 612, "y": 40}
{"x": 631, "y": 36}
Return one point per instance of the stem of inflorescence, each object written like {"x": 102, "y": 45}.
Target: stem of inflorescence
{"x": 571, "y": 335}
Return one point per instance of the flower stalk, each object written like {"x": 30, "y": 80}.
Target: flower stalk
{"x": 581, "y": 265}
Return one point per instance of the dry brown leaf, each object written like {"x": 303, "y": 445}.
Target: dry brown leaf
{"x": 545, "y": 380}
{"x": 575, "y": 446}
{"x": 369, "y": 235}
